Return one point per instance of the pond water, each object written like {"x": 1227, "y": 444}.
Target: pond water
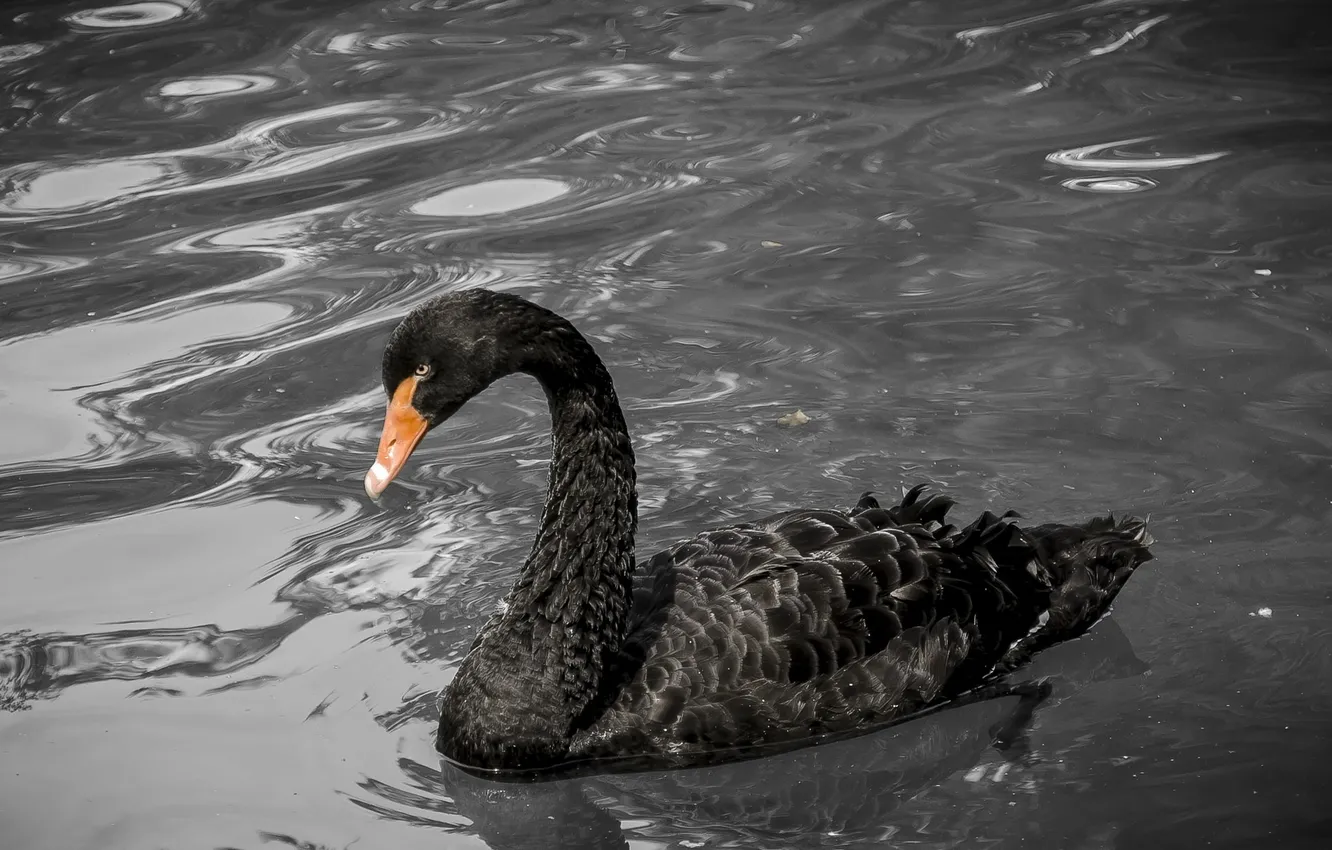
{"x": 1054, "y": 256}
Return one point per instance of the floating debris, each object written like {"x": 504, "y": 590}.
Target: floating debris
{"x": 1265, "y": 612}
{"x": 1263, "y": 272}
{"x": 791, "y": 420}
{"x": 768, "y": 243}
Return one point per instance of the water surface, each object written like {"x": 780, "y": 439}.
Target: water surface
{"x": 1053, "y": 256}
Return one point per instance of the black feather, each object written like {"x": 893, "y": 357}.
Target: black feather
{"x": 778, "y": 631}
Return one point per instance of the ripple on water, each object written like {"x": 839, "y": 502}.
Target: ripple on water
{"x": 348, "y": 123}
{"x": 1107, "y": 156}
{"x": 422, "y": 43}
{"x": 608, "y": 78}
{"x": 32, "y": 265}
{"x": 735, "y": 142}
{"x": 216, "y": 86}
{"x": 124, "y": 570}
{"x": 19, "y": 52}
{"x": 852, "y": 227}
{"x": 538, "y": 207}
{"x": 53, "y": 188}
{"x": 311, "y": 141}
{"x": 99, "y": 353}
{"x": 128, "y": 16}
{"x": 1291, "y": 180}
{"x": 490, "y": 197}
{"x": 1109, "y": 185}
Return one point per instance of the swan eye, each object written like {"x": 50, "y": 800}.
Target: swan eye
{"x": 424, "y": 370}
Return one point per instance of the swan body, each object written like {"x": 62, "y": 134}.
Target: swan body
{"x": 775, "y": 633}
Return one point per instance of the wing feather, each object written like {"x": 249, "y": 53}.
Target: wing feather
{"x": 814, "y": 621}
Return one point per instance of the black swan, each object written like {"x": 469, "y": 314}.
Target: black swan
{"x": 792, "y": 629}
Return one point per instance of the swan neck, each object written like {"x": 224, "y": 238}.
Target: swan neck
{"x": 535, "y": 675}
{"x": 574, "y": 590}
{"x": 587, "y": 526}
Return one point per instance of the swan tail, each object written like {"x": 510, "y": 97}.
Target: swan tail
{"x": 1087, "y": 565}
{"x": 1090, "y": 563}
{"x": 917, "y": 507}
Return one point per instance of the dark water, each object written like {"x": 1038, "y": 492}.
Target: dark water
{"x": 1053, "y": 256}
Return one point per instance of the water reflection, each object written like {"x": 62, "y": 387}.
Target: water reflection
{"x": 1058, "y": 256}
{"x": 1093, "y": 157}
{"x": 36, "y": 667}
{"x": 83, "y": 186}
{"x": 837, "y": 795}
{"x": 128, "y": 15}
{"x": 490, "y": 198}
{"x": 1110, "y": 185}
{"x": 216, "y": 86}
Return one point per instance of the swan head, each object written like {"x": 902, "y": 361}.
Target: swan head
{"x": 445, "y": 351}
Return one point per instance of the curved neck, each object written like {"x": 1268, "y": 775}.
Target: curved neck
{"x": 566, "y": 615}
{"x": 577, "y": 573}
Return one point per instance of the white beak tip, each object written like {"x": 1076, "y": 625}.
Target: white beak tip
{"x": 376, "y": 480}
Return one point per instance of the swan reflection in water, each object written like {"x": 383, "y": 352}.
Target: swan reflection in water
{"x": 840, "y": 794}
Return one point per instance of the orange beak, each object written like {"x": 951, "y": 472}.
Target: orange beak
{"x": 403, "y": 429}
